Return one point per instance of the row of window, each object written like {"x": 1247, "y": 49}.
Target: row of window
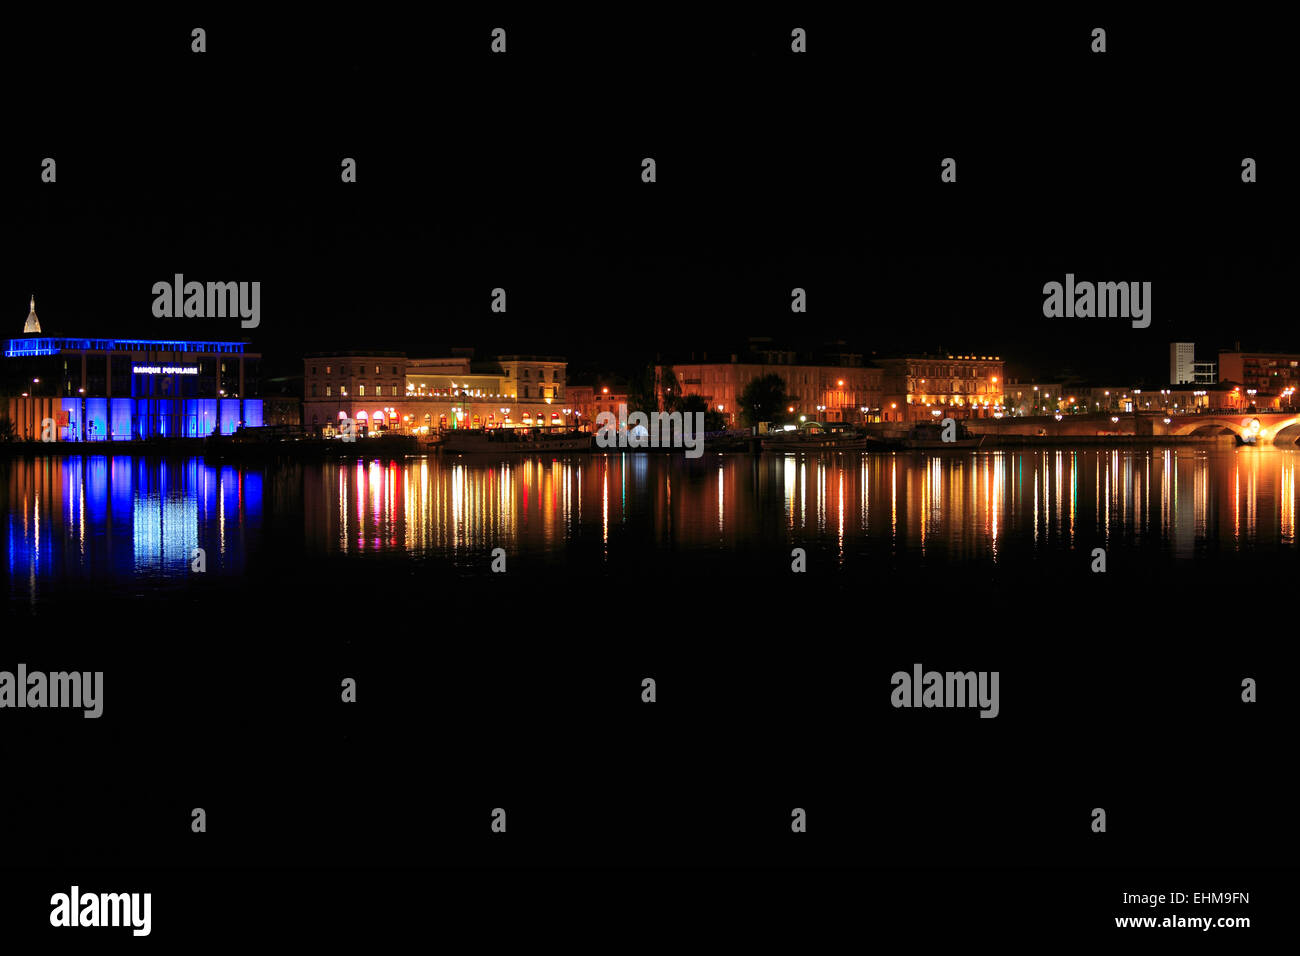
{"x": 948, "y": 384}
{"x": 950, "y": 371}
{"x": 361, "y": 370}
{"x": 377, "y": 391}
{"x": 556, "y": 374}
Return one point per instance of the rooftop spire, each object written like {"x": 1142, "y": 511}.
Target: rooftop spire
{"x": 33, "y": 326}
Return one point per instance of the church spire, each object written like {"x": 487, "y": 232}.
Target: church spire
{"x": 33, "y": 326}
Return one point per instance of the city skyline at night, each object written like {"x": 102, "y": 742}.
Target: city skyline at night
{"x": 648, "y": 476}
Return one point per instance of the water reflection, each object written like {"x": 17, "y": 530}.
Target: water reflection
{"x": 974, "y": 506}
{"x": 95, "y": 517}
{"x": 101, "y": 516}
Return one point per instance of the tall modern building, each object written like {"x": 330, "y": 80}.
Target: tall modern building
{"x": 109, "y": 389}
{"x": 1205, "y": 373}
{"x": 1182, "y": 361}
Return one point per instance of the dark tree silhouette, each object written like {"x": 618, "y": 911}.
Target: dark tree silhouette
{"x": 764, "y": 400}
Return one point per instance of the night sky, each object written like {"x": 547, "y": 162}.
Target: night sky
{"x": 774, "y": 171}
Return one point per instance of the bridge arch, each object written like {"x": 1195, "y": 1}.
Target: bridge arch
{"x": 1285, "y": 433}
{"x": 1214, "y": 425}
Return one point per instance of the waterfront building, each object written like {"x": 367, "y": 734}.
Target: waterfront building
{"x": 588, "y": 401}
{"x": 116, "y": 389}
{"x": 1269, "y": 374}
{"x": 1037, "y": 397}
{"x": 819, "y": 391}
{"x": 385, "y": 390}
{"x": 927, "y": 387}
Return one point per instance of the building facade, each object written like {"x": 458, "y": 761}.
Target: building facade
{"x": 823, "y": 393}
{"x": 1205, "y": 373}
{"x": 1021, "y": 398}
{"x": 588, "y": 401}
{"x": 1182, "y": 359}
{"x": 1269, "y": 374}
{"x": 925, "y": 387}
{"x": 109, "y": 389}
{"x": 382, "y": 390}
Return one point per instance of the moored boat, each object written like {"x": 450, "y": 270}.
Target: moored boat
{"x": 931, "y": 435}
{"x": 512, "y": 441}
{"x": 819, "y": 441}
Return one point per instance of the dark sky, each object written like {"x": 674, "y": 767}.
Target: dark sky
{"x": 774, "y": 171}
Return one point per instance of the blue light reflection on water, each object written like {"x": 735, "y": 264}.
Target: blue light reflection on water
{"x": 100, "y": 518}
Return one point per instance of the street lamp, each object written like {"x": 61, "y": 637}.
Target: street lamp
{"x": 30, "y": 402}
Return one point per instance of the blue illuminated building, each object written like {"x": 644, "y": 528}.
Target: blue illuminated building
{"x": 108, "y": 389}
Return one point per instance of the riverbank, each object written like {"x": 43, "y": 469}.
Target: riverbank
{"x": 1066, "y": 441}
{"x": 222, "y": 449}
{"x": 399, "y": 446}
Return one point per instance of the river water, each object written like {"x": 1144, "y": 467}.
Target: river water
{"x": 123, "y": 522}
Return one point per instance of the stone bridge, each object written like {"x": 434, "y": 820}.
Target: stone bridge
{"x": 1263, "y": 428}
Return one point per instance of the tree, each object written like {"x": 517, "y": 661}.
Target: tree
{"x": 641, "y": 395}
{"x": 764, "y": 400}
{"x": 6, "y": 429}
{"x": 672, "y": 390}
{"x": 690, "y": 404}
